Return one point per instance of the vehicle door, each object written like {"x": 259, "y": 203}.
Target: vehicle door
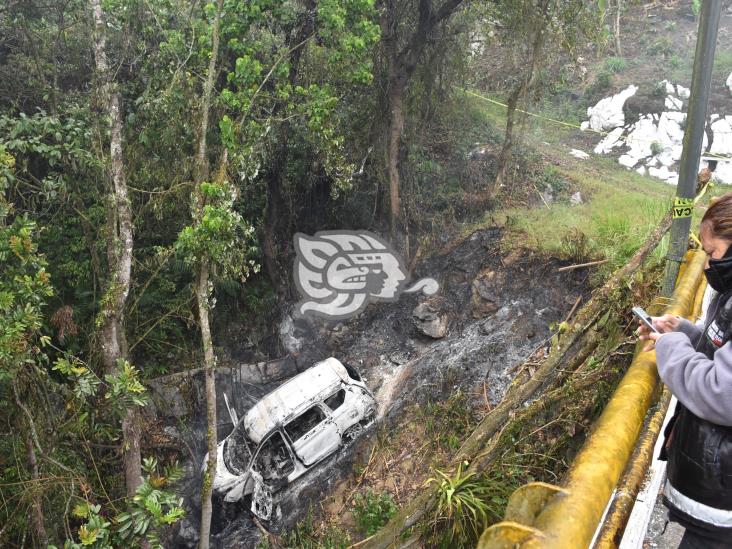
{"x": 342, "y": 409}
{"x": 313, "y": 435}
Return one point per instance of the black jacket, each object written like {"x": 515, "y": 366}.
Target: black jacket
{"x": 699, "y": 455}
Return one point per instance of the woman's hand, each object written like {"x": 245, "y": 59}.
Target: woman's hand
{"x": 664, "y": 324}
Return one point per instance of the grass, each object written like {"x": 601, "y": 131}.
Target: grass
{"x": 305, "y": 535}
{"x": 448, "y": 422}
{"x": 620, "y": 207}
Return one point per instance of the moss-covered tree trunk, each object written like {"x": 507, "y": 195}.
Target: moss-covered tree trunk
{"x": 209, "y": 373}
{"x": 119, "y": 251}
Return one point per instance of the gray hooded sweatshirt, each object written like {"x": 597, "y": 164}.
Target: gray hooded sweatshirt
{"x": 704, "y": 386}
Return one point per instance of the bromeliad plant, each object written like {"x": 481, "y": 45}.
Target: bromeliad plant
{"x": 462, "y": 510}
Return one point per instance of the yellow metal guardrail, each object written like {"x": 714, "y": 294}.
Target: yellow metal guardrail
{"x": 541, "y": 515}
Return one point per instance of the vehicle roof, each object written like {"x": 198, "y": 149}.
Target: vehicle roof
{"x": 292, "y": 397}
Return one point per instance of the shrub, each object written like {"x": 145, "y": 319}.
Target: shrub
{"x": 372, "y": 511}
{"x": 601, "y": 84}
{"x": 656, "y": 148}
{"x": 615, "y": 65}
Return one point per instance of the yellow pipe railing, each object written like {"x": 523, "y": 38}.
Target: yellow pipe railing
{"x": 539, "y": 515}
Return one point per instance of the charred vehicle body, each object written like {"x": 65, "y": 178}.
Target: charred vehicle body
{"x": 289, "y": 431}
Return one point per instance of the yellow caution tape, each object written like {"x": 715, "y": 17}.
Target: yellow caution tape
{"x": 683, "y": 207}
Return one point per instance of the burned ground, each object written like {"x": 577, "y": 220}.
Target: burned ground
{"x": 497, "y": 307}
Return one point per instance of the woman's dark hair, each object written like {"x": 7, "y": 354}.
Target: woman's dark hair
{"x": 718, "y": 217}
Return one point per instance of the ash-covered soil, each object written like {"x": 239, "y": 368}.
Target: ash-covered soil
{"x": 493, "y": 310}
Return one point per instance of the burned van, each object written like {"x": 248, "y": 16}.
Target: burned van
{"x": 290, "y": 430}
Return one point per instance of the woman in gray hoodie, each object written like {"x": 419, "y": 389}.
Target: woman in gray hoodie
{"x": 695, "y": 361}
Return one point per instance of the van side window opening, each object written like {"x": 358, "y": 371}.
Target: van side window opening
{"x": 334, "y": 401}
{"x": 274, "y": 460}
{"x": 302, "y": 424}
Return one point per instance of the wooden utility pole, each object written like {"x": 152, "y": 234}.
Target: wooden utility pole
{"x": 695, "y": 123}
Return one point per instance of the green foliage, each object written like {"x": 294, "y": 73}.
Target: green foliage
{"x": 219, "y": 234}
{"x": 615, "y": 65}
{"x": 462, "y": 511}
{"x": 152, "y": 508}
{"x": 448, "y": 422}
{"x": 663, "y": 46}
{"x": 306, "y": 536}
{"x": 264, "y": 80}
{"x": 577, "y": 247}
{"x": 601, "y": 84}
{"x": 656, "y": 148}
{"x": 124, "y": 388}
{"x": 24, "y": 288}
{"x": 371, "y": 511}
{"x": 552, "y": 180}
{"x": 149, "y": 511}
{"x": 696, "y": 7}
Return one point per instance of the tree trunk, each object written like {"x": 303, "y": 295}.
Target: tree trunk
{"x": 211, "y": 435}
{"x": 527, "y": 81}
{"x": 504, "y": 158}
{"x": 271, "y": 233}
{"x": 36, "y": 506}
{"x": 401, "y": 66}
{"x": 201, "y": 173}
{"x": 396, "y": 130}
{"x": 618, "y": 8}
{"x": 119, "y": 252}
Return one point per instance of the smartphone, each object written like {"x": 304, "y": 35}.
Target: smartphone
{"x": 645, "y": 318}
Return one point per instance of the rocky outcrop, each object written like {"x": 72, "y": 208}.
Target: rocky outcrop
{"x": 429, "y": 320}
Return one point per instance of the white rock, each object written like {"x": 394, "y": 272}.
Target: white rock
{"x": 660, "y": 173}
{"x": 723, "y": 173}
{"x": 576, "y": 198}
{"x": 722, "y": 142}
{"x": 585, "y": 125}
{"x": 641, "y": 170}
{"x": 642, "y": 134}
{"x": 673, "y": 104}
{"x": 670, "y": 132}
{"x": 666, "y": 158}
{"x": 673, "y": 178}
{"x": 670, "y": 88}
{"x": 610, "y": 141}
{"x": 627, "y": 160}
{"x": 608, "y": 113}
{"x": 682, "y": 92}
{"x": 729, "y": 82}
{"x": 582, "y": 155}
{"x": 652, "y": 162}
